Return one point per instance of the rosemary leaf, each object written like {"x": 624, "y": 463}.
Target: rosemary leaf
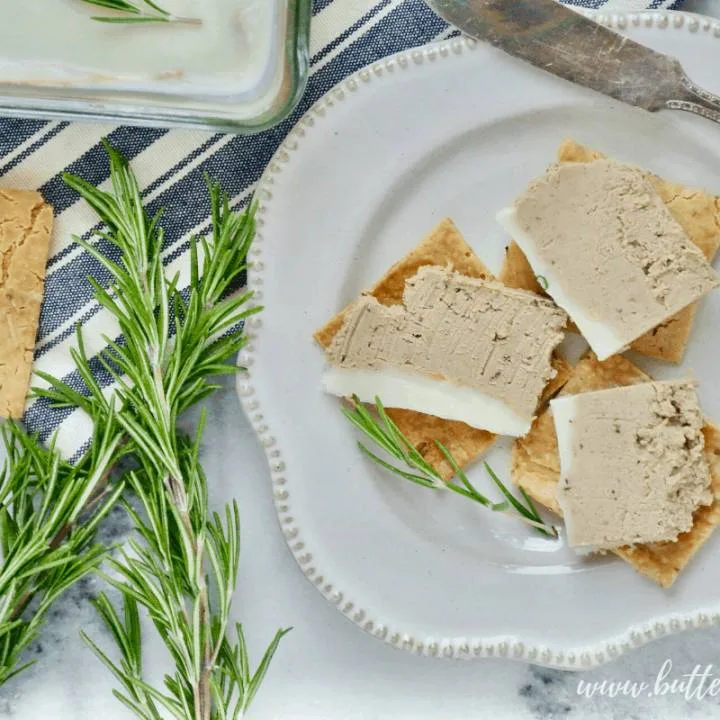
{"x": 460, "y": 473}
{"x": 418, "y": 479}
{"x": 386, "y": 435}
{"x": 133, "y": 13}
{"x": 530, "y": 511}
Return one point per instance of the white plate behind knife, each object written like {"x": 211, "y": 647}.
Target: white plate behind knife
{"x": 456, "y": 130}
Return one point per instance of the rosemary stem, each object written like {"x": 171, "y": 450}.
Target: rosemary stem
{"x": 543, "y": 527}
{"x": 177, "y": 491}
{"x": 204, "y": 706}
{"x": 179, "y": 20}
{"x": 20, "y": 607}
{"x": 138, "y": 11}
{"x": 460, "y": 490}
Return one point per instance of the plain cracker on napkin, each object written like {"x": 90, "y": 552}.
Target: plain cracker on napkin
{"x": 444, "y": 246}
{"x": 699, "y": 215}
{"x": 25, "y": 227}
{"x": 536, "y": 469}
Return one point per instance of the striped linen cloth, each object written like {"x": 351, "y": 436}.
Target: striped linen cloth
{"x": 346, "y": 35}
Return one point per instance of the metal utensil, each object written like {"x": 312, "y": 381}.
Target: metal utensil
{"x": 569, "y": 45}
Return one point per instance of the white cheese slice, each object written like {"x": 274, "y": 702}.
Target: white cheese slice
{"x": 600, "y": 337}
{"x": 563, "y": 412}
{"x": 413, "y": 391}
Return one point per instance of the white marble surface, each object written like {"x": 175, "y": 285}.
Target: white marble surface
{"x": 327, "y": 668}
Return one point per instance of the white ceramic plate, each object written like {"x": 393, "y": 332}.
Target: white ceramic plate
{"x": 455, "y": 130}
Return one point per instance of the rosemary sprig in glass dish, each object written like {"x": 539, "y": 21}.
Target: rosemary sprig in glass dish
{"x": 142, "y": 12}
{"x": 385, "y": 435}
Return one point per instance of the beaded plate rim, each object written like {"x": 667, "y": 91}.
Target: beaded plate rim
{"x": 577, "y": 658}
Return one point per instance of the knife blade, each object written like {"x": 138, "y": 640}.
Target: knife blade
{"x": 563, "y": 42}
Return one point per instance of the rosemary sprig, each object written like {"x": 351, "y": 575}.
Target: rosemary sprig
{"x": 49, "y": 511}
{"x": 132, "y": 13}
{"x": 386, "y": 435}
{"x": 183, "y": 567}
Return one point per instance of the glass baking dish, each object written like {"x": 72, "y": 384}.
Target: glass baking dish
{"x": 240, "y": 66}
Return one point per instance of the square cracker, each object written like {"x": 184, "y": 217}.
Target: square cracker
{"x": 25, "y": 227}
{"x": 699, "y": 215}
{"x": 444, "y": 245}
{"x": 536, "y": 469}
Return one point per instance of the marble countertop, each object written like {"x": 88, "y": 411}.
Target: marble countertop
{"x": 326, "y": 667}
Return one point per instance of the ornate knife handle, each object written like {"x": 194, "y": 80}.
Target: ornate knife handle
{"x": 696, "y": 100}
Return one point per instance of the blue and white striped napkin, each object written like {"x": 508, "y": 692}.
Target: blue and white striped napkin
{"x": 346, "y": 35}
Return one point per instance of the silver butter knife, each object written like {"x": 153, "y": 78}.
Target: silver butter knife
{"x": 569, "y": 45}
